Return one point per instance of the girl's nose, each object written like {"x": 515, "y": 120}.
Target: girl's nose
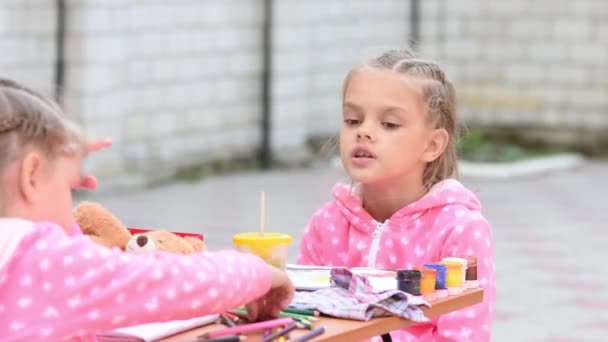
{"x": 364, "y": 133}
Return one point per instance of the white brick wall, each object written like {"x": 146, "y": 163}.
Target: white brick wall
{"x": 179, "y": 82}
{"x": 164, "y": 80}
{"x": 524, "y": 28}
{"x": 317, "y": 42}
{"x": 542, "y": 52}
{"x": 552, "y": 54}
{"x": 27, "y": 45}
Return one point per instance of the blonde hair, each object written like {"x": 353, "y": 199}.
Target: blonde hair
{"x": 439, "y": 96}
{"x": 29, "y": 120}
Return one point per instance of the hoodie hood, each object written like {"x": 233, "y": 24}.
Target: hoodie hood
{"x": 449, "y": 192}
{"x": 13, "y": 231}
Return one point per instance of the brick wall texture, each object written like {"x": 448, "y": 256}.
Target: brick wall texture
{"x": 179, "y": 83}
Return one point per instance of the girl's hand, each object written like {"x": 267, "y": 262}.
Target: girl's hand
{"x": 89, "y": 182}
{"x": 275, "y": 300}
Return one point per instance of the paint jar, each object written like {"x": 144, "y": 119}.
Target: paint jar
{"x": 441, "y": 291}
{"x": 471, "y": 273}
{"x": 272, "y": 247}
{"x": 427, "y": 283}
{"x": 454, "y": 276}
{"x": 463, "y": 261}
{"x": 409, "y": 281}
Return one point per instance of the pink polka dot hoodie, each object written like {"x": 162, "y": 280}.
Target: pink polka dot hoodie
{"x": 57, "y": 287}
{"x": 446, "y": 222}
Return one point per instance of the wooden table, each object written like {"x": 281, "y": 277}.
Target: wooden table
{"x": 350, "y": 330}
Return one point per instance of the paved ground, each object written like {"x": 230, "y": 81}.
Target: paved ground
{"x": 551, "y": 236}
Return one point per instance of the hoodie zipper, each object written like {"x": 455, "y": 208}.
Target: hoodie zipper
{"x": 373, "y": 250}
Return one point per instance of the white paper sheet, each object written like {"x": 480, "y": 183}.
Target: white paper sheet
{"x": 154, "y": 331}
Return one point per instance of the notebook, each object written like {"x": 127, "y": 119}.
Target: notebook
{"x": 309, "y": 278}
{"x": 154, "y": 331}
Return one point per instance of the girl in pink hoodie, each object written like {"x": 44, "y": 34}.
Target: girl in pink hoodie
{"x": 398, "y": 143}
{"x": 56, "y": 284}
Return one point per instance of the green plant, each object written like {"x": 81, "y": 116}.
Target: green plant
{"x": 475, "y": 146}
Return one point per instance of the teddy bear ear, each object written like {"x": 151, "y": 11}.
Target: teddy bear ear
{"x": 95, "y": 220}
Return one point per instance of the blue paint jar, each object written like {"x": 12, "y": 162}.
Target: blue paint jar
{"x": 441, "y": 274}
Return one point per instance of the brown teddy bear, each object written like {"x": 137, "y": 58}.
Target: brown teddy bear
{"x": 104, "y": 228}
{"x": 162, "y": 240}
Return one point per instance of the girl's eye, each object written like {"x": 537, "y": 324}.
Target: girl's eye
{"x": 390, "y": 125}
{"x": 351, "y": 122}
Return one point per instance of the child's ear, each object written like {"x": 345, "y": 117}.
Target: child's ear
{"x": 438, "y": 141}
{"x": 30, "y": 177}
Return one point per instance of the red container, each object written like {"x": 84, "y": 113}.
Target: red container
{"x": 142, "y": 230}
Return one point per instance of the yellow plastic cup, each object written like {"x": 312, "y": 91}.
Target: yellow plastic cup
{"x": 272, "y": 247}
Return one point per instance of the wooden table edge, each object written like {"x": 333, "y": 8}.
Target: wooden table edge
{"x": 360, "y": 330}
{"x": 379, "y": 326}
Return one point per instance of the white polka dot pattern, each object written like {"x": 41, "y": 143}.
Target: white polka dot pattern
{"x": 62, "y": 286}
{"x": 447, "y": 222}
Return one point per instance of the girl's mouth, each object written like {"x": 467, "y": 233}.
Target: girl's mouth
{"x": 362, "y": 157}
{"x": 363, "y": 153}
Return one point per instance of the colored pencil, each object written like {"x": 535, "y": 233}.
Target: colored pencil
{"x": 285, "y": 313}
{"x": 224, "y": 339}
{"x": 229, "y": 322}
{"x": 233, "y": 317}
{"x": 279, "y": 333}
{"x": 303, "y": 324}
{"x": 240, "y": 313}
{"x": 304, "y": 312}
{"x": 246, "y": 328}
{"x": 298, "y": 316}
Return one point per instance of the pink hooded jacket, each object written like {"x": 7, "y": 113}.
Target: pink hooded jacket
{"x": 446, "y": 222}
{"x": 56, "y": 287}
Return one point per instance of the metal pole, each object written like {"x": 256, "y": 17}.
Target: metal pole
{"x": 414, "y": 23}
{"x": 266, "y": 149}
{"x": 59, "y": 80}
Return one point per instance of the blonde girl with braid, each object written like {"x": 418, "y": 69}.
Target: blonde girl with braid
{"x": 404, "y": 208}
{"x": 56, "y": 284}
